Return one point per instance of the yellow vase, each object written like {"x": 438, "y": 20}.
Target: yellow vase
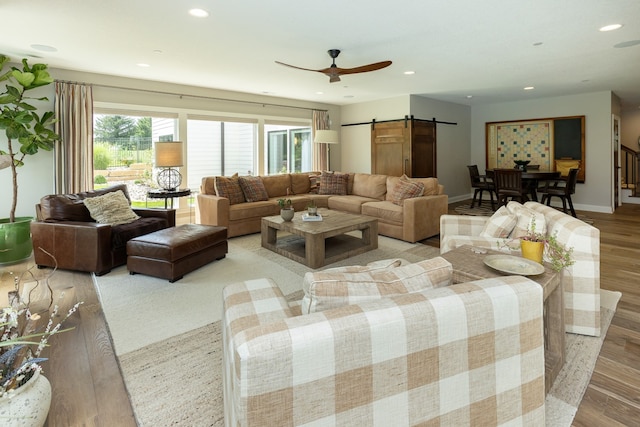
{"x": 532, "y": 250}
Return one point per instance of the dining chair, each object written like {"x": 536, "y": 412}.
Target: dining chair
{"x": 508, "y": 184}
{"x": 563, "y": 188}
{"x": 481, "y": 183}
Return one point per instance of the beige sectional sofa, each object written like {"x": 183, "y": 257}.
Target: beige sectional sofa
{"x": 415, "y": 219}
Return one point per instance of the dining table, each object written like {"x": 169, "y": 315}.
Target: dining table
{"x": 531, "y": 179}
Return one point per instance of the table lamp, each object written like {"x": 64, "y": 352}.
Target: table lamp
{"x": 169, "y": 156}
{"x": 327, "y": 137}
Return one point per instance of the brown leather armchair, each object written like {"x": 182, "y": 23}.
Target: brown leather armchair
{"x": 64, "y": 228}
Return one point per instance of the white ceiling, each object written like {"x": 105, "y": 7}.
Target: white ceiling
{"x": 486, "y": 49}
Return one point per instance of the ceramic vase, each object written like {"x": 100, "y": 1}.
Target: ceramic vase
{"x": 15, "y": 240}
{"x": 287, "y": 214}
{"x": 532, "y": 250}
{"x": 28, "y": 405}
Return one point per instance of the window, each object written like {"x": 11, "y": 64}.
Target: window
{"x": 123, "y": 151}
{"x": 219, "y": 148}
{"x": 288, "y": 149}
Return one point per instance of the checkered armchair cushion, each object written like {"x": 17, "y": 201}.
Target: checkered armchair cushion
{"x": 466, "y": 354}
{"x": 460, "y": 230}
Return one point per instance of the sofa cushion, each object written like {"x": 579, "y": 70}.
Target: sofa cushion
{"x": 111, "y": 208}
{"x": 260, "y": 209}
{"x": 405, "y": 189}
{"x": 525, "y": 218}
{"x": 368, "y": 185}
{"x": 385, "y": 211}
{"x": 314, "y": 183}
{"x": 300, "y": 183}
{"x": 326, "y": 290}
{"x": 333, "y": 183}
{"x": 277, "y": 185}
{"x": 229, "y": 187}
{"x": 500, "y": 225}
{"x": 383, "y": 264}
{"x": 253, "y": 188}
{"x": 352, "y": 204}
{"x": 122, "y": 233}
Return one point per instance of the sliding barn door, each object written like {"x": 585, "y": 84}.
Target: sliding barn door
{"x": 404, "y": 147}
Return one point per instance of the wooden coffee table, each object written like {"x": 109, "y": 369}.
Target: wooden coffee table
{"x": 469, "y": 265}
{"x": 318, "y": 243}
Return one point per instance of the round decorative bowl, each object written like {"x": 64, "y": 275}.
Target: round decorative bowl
{"x": 521, "y": 164}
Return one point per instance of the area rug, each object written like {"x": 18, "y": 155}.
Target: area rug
{"x": 168, "y": 309}
{"x": 156, "y": 376}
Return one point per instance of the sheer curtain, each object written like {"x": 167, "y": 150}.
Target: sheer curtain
{"x": 320, "y": 122}
{"x": 74, "y": 153}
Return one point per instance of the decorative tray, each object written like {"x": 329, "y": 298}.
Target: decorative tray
{"x": 514, "y": 265}
{"x": 307, "y": 217}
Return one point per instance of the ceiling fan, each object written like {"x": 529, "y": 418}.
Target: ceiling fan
{"x": 334, "y": 72}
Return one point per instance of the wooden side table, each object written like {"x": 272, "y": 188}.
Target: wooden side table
{"x": 469, "y": 265}
{"x": 168, "y": 195}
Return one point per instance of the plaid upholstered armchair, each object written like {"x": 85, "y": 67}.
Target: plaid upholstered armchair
{"x": 581, "y": 281}
{"x": 464, "y": 354}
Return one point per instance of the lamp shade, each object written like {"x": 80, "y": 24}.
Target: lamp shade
{"x": 326, "y": 136}
{"x": 169, "y": 154}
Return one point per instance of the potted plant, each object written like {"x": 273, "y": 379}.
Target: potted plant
{"x": 536, "y": 246}
{"x": 312, "y": 209}
{"x": 25, "y": 394}
{"x": 286, "y": 209}
{"x": 26, "y": 133}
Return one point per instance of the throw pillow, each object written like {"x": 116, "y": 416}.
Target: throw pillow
{"x": 500, "y": 225}
{"x": 229, "y": 187}
{"x": 111, "y": 208}
{"x": 325, "y": 290}
{"x": 333, "y": 183}
{"x": 406, "y": 190}
{"x": 253, "y": 188}
{"x": 374, "y": 265}
{"x": 314, "y": 183}
{"x": 525, "y": 217}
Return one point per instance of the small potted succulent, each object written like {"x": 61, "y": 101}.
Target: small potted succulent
{"x": 286, "y": 209}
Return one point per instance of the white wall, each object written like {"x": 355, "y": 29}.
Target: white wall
{"x": 630, "y": 127}
{"x": 596, "y": 193}
{"x": 453, "y": 143}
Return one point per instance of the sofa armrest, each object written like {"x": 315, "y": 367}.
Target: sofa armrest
{"x": 214, "y": 210}
{"x": 360, "y": 361}
{"x": 168, "y": 214}
{"x": 82, "y": 246}
{"x": 421, "y": 216}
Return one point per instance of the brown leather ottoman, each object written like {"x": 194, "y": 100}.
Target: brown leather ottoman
{"x": 173, "y": 252}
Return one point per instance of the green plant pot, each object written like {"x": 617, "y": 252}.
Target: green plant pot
{"x": 15, "y": 240}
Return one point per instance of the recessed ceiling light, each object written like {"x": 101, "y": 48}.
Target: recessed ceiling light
{"x": 537, "y": 44}
{"x": 198, "y": 13}
{"x": 143, "y": 65}
{"x": 158, "y": 52}
{"x": 348, "y": 96}
{"x": 44, "y": 48}
{"x": 319, "y": 93}
{"x": 469, "y": 96}
{"x": 409, "y": 73}
{"x": 611, "y": 27}
{"x": 529, "y": 88}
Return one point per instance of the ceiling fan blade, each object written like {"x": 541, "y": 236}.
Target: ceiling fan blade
{"x": 364, "y": 68}
{"x": 299, "y": 68}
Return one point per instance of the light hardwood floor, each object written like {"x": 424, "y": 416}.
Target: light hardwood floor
{"x": 88, "y": 389}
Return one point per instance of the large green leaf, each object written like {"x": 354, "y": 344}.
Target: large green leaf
{"x": 24, "y": 78}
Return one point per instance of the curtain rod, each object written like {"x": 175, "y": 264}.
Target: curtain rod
{"x": 406, "y": 118}
{"x": 181, "y": 95}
